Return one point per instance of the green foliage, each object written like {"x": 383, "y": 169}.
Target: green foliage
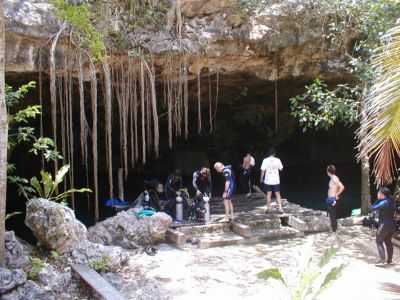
{"x": 79, "y": 17}
{"x": 54, "y": 254}
{"x": 365, "y": 22}
{"x": 319, "y": 107}
{"x": 18, "y": 130}
{"x": 36, "y": 266}
{"x": 102, "y": 265}
{"x": 271, "y": 273}
{"x": 46, "y": 187}
{"x": 314, "y": 278}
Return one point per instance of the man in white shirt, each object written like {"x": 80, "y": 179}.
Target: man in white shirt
{"x": 270, "y": 178}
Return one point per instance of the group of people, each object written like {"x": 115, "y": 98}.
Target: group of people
{"x": 163, "y": 197}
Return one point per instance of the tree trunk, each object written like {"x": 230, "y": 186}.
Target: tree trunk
{"x": 365, "y": 168}
{"x": 365, "y": 186}
{"x": 3, "y": 140}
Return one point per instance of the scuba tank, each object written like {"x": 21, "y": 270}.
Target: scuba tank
{"x": 179, "y": 209}
{"x": 206, "y": 200}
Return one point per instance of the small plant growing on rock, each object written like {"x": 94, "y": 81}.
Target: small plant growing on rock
{"x": 314, "y": 277}
{"x": 54, "y": 254}
{"x": 101, "y": 265}
{"x": 36, "y": 266}
{"x": 46, "y": 188}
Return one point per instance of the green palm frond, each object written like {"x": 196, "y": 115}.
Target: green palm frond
{"x": 380, "y": 126}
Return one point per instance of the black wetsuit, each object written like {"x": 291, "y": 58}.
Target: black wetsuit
{"x": 245, "y": 180}
{"x": 155, "y": 199}
{"x": 172, "y": 185}
{"x": 203, "y": 184}
{"x": 386, "y": 228}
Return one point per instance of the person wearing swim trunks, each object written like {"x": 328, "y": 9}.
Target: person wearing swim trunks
{"x": 245, "y": 178}
{"x": 229, "y": 188}
{"x": 270, "y": 180}
{"x": 387, "y": 225}
{"x": 334, "y": 191}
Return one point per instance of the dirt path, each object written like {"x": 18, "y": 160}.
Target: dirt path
{"x": 230, "y": 272}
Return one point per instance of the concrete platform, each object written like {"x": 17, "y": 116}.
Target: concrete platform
{"x": 253, "y": 225}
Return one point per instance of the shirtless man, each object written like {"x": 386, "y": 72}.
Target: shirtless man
{"x": 334, "y": 191}
{"x": 245, "y": 179}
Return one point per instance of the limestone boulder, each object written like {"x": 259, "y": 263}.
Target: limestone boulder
{"x": 128, "y": 231}
{"x": 54, "y": 225}
{"x": 88, "y": 253}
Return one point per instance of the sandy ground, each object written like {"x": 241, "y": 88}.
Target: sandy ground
{"x": 230, "y": 272}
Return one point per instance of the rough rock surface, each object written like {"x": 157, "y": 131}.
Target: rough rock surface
{"x": 282, "y": 34}
{"x": 29, "y": 291}
{"x": 54, "y": 279}
{"x": 16, "y": 253}
{"x": 128, "y": 231}
{"x": 54, "y": 225}
{"x": 9, "y": 279}
{"x": 88, "y": 252}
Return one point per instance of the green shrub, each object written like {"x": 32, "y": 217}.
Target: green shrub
{"x": 36, "y": 266}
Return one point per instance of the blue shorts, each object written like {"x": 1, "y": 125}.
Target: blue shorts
{"x": 271, "y": 188}
{"x": 229, "y": 193}
{"x": 330, "y": 200}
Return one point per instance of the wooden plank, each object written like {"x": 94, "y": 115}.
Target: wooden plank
{"x": 98, "y": 283}
{"x": 176, "y": 236}
{"x": 241, "y": 229}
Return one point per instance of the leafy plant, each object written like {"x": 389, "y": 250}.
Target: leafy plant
{"x": 314, "y": 277}
{"x": 102, "y": 265}
{"x": 319, "y": 107}
{"x": 46, "y": 187}
{"x": 79, "y": 16}
{"x": 54, "y": 254}
{"x": 19, "y": 131}
{"x": 36, "y": 266}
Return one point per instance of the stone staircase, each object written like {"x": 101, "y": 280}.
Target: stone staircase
{"x": 251, "y": 225}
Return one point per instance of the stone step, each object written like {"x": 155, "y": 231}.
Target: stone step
{"x": 229, "y": 238}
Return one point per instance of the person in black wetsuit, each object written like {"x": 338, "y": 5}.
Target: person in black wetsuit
{"x": 153, "y": 194}
{"x": 387, "y": 225}
{"x": 202, "y": 184}
{"x": 173, "y": 187}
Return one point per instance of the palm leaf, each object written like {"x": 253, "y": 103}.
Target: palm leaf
{"x": 329, "y": 253}
{"x": 332, "y": 275}
{"x": 271, "y": 273}
{"x": 380, "y": 123}
{"x": 66, "y": 193}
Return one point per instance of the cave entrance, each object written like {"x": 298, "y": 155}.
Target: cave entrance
{"x": 245, "y": 120}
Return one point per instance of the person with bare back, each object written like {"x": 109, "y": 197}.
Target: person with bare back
{"x": 245, "y": 178}
{"x": 335, "y": 188}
